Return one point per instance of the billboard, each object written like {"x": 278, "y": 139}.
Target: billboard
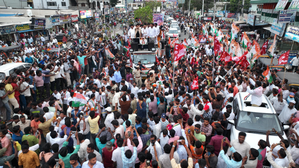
{"x": 85, "y": 14}
{"x": 281, "y": 4}
{"x": 294, "y": 5}
{"x": 158, "y": 18}
{"x": 292, "y": 33}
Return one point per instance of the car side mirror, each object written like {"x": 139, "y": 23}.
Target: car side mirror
{"x": 231, "y": 122}
{"x": 286, "y": 127}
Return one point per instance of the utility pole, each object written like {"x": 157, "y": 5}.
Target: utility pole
{"x": 243, "y": 2}
{"x": 202, "y": 7}
{"x": 189, "y": 7}
{"x": 214, "y": 9}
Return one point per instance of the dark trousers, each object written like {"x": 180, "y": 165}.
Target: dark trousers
{"x": 40, "y": 92}
{"x": 294, "y": 67}
{"x": 58, "y": 84}
{"x": 47, "y": 86}
{"x": 53, "y": 85}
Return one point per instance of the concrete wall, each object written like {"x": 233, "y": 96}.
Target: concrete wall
{"x": 14, "y": 3}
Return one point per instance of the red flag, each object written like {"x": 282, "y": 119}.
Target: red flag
{"x": 283, "y": 59}
{"x": 194, "y": 84}
{"x": 217, "y": 46}
{"x": 129, "y": 44}
{"x": 226, "y": 57}
{"x": 192, "y": 61}
{"x": 157, "y": 60}
{"x": 179, "y": 51}
{"x": 264, "y": 48}
{"x": 243, "y": 61}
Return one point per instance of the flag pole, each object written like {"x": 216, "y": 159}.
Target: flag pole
{"x": 227, "y": 72}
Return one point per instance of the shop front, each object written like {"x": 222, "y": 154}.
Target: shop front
{"x": 24, "y": 31}
{"x": 7, "y": 34}
{"x": 39, "y": 25}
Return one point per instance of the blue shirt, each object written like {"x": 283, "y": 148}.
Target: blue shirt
{"x": 101, "y": 146}
{"x": 81, "y": 60}
{"x": 182, "y": 152}
{"x": 18, "y": 138}
{"x": 117, "y": 77}
{"x": 79, "y": 166}
{"x": 127, "y": 163}
{"x": 46, "y": 79}
{"x": 230, "y": 163}
{"x": 29, "y": 60}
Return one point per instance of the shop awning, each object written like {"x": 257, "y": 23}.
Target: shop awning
{"x": 24, "y": 31}
{"x": 267, "y": 28}
{"x": 239, "y": 22}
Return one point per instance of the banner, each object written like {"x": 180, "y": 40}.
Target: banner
{"x": 85, "y": 14}
{"x": 281, "y": 5}
{"x": 22, "y": 27}
{"x": 278, "y": 29}
{"x": 158, "y": 18}
{"x": 55, "y": 20}
{"x": 250, "y": 19}
{"x": 64, "y": 19}
{"x": 39, "y": 23}
{"x": 7, "y": 29}
{"x": 285, "y": 16}
{"x": 294, "y": 5}
{"x": 292, "y": 33}
{"x": 74, "y": 18}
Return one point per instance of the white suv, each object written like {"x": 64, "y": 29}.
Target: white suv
{"x": 255, "y": 121}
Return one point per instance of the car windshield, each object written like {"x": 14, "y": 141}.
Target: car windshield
{"x": 173, "y": 32}
{"x": 145, "y": 58}
{"x": 257, "y": 122}
{"x": 174, "y": 25}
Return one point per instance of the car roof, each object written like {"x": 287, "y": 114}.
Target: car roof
{"x": 173, "y": 29}
{"x": 241, "y": 96}
{"x": 9, "y": 66}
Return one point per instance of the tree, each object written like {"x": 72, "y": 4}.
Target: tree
{"x": 235, "y": 6}
{"x": 113, "y": 2}
{"x": 208, "y": 4}
{"x": 152, "y": 4}
{"x": 145, "y": 14}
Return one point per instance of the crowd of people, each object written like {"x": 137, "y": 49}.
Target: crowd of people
{"x": 85, "y": 106}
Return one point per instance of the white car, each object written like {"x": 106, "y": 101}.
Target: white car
{"x": 255, "y": 121}
{"x": 173, "y": 33}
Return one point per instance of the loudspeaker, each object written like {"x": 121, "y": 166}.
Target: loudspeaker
{"x": 150, "y": 46}
{"x": 134, "y": 46}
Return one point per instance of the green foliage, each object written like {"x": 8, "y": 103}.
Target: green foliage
{"x": 113, "y": 2}
{"x": 198, "y": 4}
{"x": 152, "y": 4}
{"x": 236, "y": 6}
{"x": 145, "y": 14}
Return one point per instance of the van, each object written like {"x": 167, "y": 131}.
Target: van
{"x": 9, "y": 69}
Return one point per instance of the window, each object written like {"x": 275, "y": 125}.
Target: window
{"x": 82, "y": 4}
{"x": 51, "y": 4}
{"x": 63, "y": 3}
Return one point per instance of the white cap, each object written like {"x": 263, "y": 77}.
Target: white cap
{"x": 108, "y": 109}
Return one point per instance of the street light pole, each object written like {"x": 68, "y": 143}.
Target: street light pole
{"x": 202, "y": 7}
{"x": 189, "y": 7}
{"x": 243, "y": 2}
{"x": 214, "y": 10}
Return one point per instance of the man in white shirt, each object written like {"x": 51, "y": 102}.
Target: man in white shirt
{"x": 295, "y": 63}
{"x": 151, "y": 148}
{"x": 240, "y": 145}
{"x": 287, "y": 112}
{"x": 92, "y": 162}
{"x": 119, "y": 129}
{"x": 56, "y": 139}
{"x": 131, "y": 32}
{"x": 256, "y": 94}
